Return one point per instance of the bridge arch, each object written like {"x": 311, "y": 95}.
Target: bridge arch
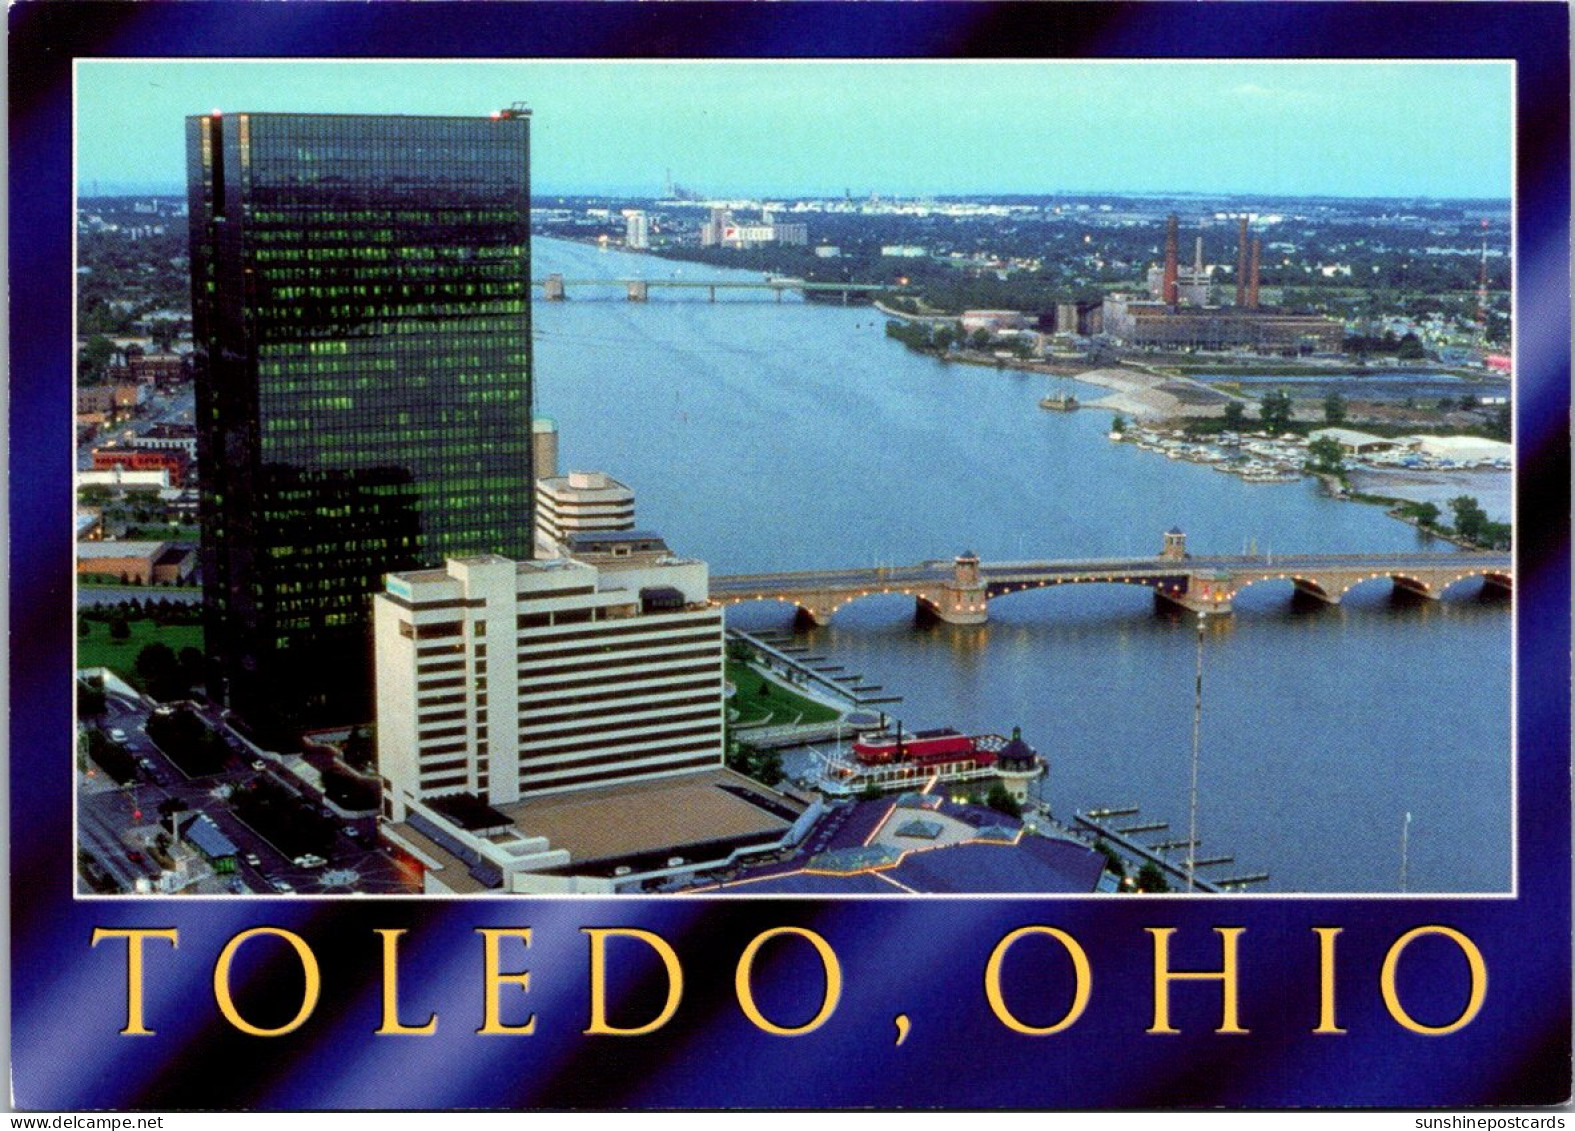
{"x": 995, "y": 590}
{"x": 821, "y": 607}
{"x": 1303, "y": 585}
{"x": 1489, "y": 577}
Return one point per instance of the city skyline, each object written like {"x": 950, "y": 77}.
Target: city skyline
{"x": 1438, "y": 131}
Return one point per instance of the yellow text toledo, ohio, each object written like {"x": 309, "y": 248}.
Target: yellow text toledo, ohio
{"x": 1050, "y": 944}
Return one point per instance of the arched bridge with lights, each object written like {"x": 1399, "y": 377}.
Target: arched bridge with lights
{"x": 959, "y": 591}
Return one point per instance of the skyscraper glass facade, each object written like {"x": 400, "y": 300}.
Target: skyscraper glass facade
{"x": 361, "y": 304}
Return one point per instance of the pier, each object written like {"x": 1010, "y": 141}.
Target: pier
{"x": 844, "y": 687}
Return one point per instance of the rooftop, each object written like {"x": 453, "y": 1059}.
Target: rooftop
{"x": 884, "y": 847}
{"x": 654, "y": 816}
{"x": 120, "y": 549}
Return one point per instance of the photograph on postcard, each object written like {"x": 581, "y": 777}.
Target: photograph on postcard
{"x": 836, "y": 479}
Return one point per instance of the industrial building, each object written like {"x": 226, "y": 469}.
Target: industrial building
{"x": 171, "y": 461}
{"x": 724, "y": 230}
{"x": 637, "y": 229}
{"x": 137, "y": 563}
{"x": 361, "y": 308}
{"x": 1183, "y": 314}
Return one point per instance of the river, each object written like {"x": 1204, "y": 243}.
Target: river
{"x": 769, "y": 436}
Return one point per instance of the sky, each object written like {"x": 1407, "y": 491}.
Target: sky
{"x": 899, "y": 129}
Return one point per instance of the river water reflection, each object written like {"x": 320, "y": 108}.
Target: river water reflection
{"x": 776, "y": 436}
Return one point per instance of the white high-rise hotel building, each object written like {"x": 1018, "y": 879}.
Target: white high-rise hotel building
{"x": 504, "y": 679}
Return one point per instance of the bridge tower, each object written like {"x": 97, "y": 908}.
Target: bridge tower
{"x": 962, "y": 599}
{"x": 1207, "y": 591}
{"x": 1175, "y": 544}
{"x": 639, "y": 290}
{"x": 552, "y": 288}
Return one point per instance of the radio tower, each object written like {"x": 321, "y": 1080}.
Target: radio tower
{"x": 1482, "y": 295}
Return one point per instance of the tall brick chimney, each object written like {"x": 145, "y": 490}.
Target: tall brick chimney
{"x": 1241, "y": 265}
{"x": 1252, "y": 277}
{"x": 1172, "y": 293}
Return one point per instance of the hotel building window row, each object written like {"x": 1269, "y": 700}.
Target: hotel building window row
{"x": 504, "y": 679}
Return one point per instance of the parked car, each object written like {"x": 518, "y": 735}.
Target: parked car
{"x": 117, "y": 735}
{"x": 282, "y": 886}
{"x": 252, "y": 859}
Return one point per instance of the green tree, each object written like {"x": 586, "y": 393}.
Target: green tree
{"x": 943, "y": 338}
{"x": 1324, "y": 455}
{"x": 1411, "y": 348}
{"x": 159, "y": 672}
{"x": 1470, "y": 519}
{"x": 1235, "y": 416}
{"x": 1426, "y": 514}
{"x": 1334, "y": 409}
{"x": 119, "y": 629}
{"x": 95, "y": 355}
{"x": 90, "y": 698}
{"x": 1151, "y": 879}
{"x": 979, "y": 339}
{"x": 1119, "y": 424}
{"x": 1002, "y": 801}
{"x": 1501, "y": 422}
{"x": 739, "y": 651}
{"x": 1113, "y": 862}
{"x": 1275, "y": 410}
{"x": 190, "y": 663}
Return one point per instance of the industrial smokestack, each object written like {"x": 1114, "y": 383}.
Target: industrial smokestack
{"x": 1241, "y": 265}
{"x": 1197, "y": 261}
{"x": 1172, "y": 235}
{"x": 1252, "y": 278}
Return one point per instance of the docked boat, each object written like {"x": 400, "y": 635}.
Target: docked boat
{"x": 908, "y": 760}
{"x": 924, "y": 748}
{"x": 1060, "y": 402}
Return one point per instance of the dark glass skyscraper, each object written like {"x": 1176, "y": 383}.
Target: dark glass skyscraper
{"x": 361, "y": 305}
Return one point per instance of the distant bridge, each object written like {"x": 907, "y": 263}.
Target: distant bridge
{"x": 555, "y": 288}
{"x": 959, "y": 591}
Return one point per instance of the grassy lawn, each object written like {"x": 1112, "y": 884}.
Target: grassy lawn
{"x": 97, "y": 650}
{"x": 778, "y": 707}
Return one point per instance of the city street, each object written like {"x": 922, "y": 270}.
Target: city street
{"x": 113, "y": 819}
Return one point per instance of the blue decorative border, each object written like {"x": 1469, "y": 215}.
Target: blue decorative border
{"x": 925, "y": 960}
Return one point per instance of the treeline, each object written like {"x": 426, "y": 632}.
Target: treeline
{"x": 158, "y": 610}
{"x": 1471, "y": 523}
{"x": 1406, "y": 348}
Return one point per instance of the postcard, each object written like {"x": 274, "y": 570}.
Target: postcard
{"x": 794, "y": 556}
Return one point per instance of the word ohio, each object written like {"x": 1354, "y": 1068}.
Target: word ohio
{"x": 1047, "y": 944}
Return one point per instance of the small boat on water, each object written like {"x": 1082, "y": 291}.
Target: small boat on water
{"x": 1061, "y": 402}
